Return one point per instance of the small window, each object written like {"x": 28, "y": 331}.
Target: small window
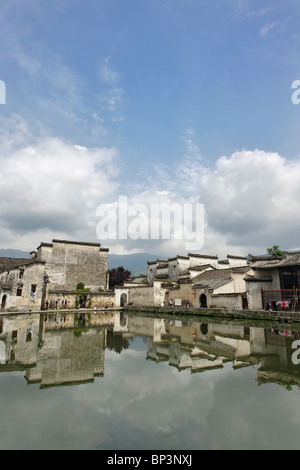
{"x": 33, "y": 293}
{"x": 21, "y": 273}
{"x": 19, "y": 292}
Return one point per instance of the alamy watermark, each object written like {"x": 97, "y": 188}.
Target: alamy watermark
{"x": 123, "y": 220}
{"x": 296, "y": 94}
{"x": 2, "y": 92}
{"x": 296, "y": 354}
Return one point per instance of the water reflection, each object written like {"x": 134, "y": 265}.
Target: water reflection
{"x": 69, "y": 348}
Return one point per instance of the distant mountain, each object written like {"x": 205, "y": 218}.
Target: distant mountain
{"x": 136, "y": 264}
{"x": 9, "y": 253}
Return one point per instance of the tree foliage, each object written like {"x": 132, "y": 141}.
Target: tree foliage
{"x": 275, "y": 251}
{"x": 117, "y": 276}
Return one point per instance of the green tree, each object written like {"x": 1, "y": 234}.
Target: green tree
{"x": 275, "y": 251}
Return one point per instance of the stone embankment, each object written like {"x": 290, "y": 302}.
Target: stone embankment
{"x": 221, "y": 313}
{"x": 284, "y": 316}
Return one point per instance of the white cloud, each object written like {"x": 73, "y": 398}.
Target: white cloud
{"x": 112, "y": 98}
{"x": 267, "y": 27}
{"x": 53, "y": 187}
{"x": 251, "y": 201}
{"x": 107, "y": 74}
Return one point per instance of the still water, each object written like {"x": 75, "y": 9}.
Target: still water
{"x": 118, "y": 381}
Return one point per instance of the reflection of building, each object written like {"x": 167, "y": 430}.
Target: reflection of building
{"x": 67, "y": 358}
{"x": 200, "y": 346}
{"x": 19, "y": 341}
{"x": 52, "y": 274}
{"x": 54, "y": 349}
{"x": 70, "y": 348}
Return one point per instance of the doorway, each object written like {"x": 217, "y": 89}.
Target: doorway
{"x": 123, "y": 300}
{"x": 203, "y": 300}
{"x": 245, "y": 303}
{"x": 3, "y": 302}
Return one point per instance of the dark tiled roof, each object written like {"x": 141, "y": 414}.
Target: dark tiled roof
{"x": 71, "y": 242}
{"x": 14, "y": 263}
{"x": 217, "y": 277}
{"x": 163, "y": 266}
{"x": 289, "y": 259}
{"x": 9, "y": 263}
{"x": 258, "y": 278}
{"x": 200, "y": 267}
{"x": 202, "y": 256}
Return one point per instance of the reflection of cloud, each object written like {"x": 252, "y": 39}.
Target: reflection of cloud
{"x": 139, "y": 404}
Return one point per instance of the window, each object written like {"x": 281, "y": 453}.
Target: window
{"x": 28, "y": 337}
{"x": 19, "y": 292}
{"x": 33, "y": 293}
{"x": 21, "y": 273}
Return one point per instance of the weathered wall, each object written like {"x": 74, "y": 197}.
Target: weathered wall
{"x": 13, "y": 284}
{"x": 230, "y": 301}
{"x": 254, "y": 294}
{"x": 68, "y": 263}
{"x": 71, "y": 300}
{"x": 141, "y": 295}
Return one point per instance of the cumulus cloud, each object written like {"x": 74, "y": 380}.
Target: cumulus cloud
{"x": 53, "y": 187}
{"x": 251, "y": 200}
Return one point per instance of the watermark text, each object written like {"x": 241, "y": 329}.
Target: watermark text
{"x": 296, "y": 354}
{"x": 2, "y": 92}
{"x": 296, "y": 93}
{"x": 123, "y": 220}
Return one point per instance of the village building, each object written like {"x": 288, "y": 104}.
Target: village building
{"x": 196, "y": 280}
{"x": 71, "y": 274}
{"x": 52, "y": 276}
{"x": 275, "y": 283}
{"x": 235, "y": 283}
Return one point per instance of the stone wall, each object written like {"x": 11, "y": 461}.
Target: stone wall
{"x": 141, "y": 295}
{"x": 69, "y": 263}
{"x": 230, "y": 301}
{"x": 24, "y": 287}
{"x": 53, "y": 273}
{"x": 58, "y": 300}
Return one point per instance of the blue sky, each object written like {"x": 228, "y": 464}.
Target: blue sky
{"x": 113, "y": 97}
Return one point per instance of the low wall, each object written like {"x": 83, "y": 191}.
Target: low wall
{"x": 219, "y": 313}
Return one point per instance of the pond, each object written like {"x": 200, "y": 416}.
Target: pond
{"x": 118, "y": 381}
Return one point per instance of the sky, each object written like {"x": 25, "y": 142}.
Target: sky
{"x": 187, "y": 102}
